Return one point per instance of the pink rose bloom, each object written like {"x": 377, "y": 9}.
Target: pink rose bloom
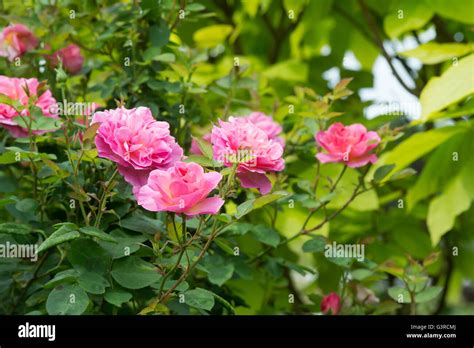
{"x": 136, "y": 142}
{"x": 267, "y": 124}
{"x": 351, "y": 145}
{"x": 240, "y": 141}
{"x": 14, "y": 88}
{"x": 331, "y": 302}
{"x": 262, "y": 121}
{"x": 181, "y": 189}
{"x": 71, "y": 58}
{"x": 195, "y": 149}
{"x": 15, "y": 40}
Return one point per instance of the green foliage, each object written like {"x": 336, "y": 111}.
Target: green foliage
{"x": 449, "y": 88}
{"x": 134, "y": 273}
{"x": 407, "y": 15}
{"x": 68, "y": 299}
{"x": 435, "y": 53}
{"x": 444, "y": 209}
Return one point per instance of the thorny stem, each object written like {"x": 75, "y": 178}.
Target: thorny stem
{"x": 213, "y": 235}
{"x": 193, "y": 265}
{"x": 103, "y": 198}
{"x": 181, "y": 253}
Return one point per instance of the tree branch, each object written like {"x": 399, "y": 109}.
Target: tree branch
{"x": 379, "y": 42}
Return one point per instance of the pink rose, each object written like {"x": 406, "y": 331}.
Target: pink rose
{"x": 240, "y": 141}
{"x": 267, "y": 124}
{"x": 15, "y": 40}
{"x": 195, "y": 149}
{"x": 350, "y": 145}
{"x": 70, "y": 56}
{"x": 181, "y": 189}
{"x": 262, "y": 121}
{"x": 331, "y": 302}
{"x": 136, "y": 142}
{"x": 14, "y": 88}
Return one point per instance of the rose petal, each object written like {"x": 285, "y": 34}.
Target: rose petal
{"x": 209, "y": 205}
{"x": 255, "y": 180}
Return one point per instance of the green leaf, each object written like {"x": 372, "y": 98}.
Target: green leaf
{"x": 195, "y": 7}
{"x": 14, "y": 228}
{"x": 251, "y": 7}
{"x": 40, "y": 123}
{"x": 266, "y": 235}
{"x": 93, "y": 283}
{"x": 85, "y": 255}
{"x": 221, "y": 243}
{"x": 91, "y": 131}
{"x": 361, "y": 274}
{"x": 399, "y": 294}
{"x": 253, "y": 204}
{"x": 67, "y": 300}
{"x": 205, "y": 147}
{"x": 409, "y": 236}
{"x": 364, "y": 50}
{"x": 345, "y": 262}
{"x": 466, "y": 109}
{"x": 290, "y": 70}
{"x": 218, "y": 269}
{"x": 126, "y": 244}
{"x": 97, "y": 233}
{"x": 16, "y": 104}
{"x": 386, "y": 307}
{"x": 165, "y": 57}
{"x": 382, "y": 172}
{"x": 117, "y": 297}
{"x": 434, "y": 53}
{"x": 459, "y": 10}
{"x": 440, "y": 167}
{"x": 159, "y": 35}
{"x": 201, "y": 160}
{"x": 292, "y": 5}
{"x": 199, "y": 298}
{"x": 314, "y": 245}
{"x": 6, "y": 201}
{"x": 48, "y": 123}
{"x": 8, "y": 157}
{"x": 402, "y": 174}
{"x": 27, "y": 205}
{"x": 63, "y": 234}
{"x": 443, "y": 209}
{"x": 133, "y": 273}
{"x": 428, "y": 294}
{"x": 212, "y": 35}
{"x": 67, "y": 276}
{"x": 449, "y": 88}
{"x": 419, "y": 145}
{"x": 151, "y": 53}
{"x": 406, "y": 15}
{"x": 139, "y": 222}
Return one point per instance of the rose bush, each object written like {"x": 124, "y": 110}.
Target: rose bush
{"x": 165, "y": 157}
